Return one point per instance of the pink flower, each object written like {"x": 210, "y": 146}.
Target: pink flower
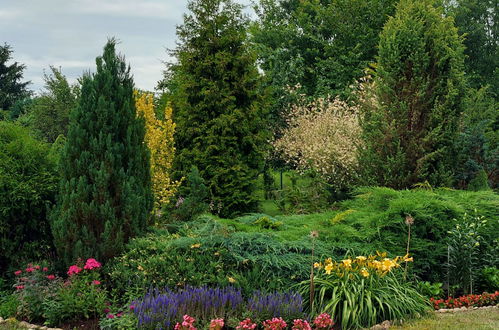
{"x": 51, "y": 277}
{"x": 246, "y": 324}
{"x": 119, "y": 314}
{"x": 29, "y": 269}
{"x": 323, "y": 321}
{"x": 275, "y": 324}
{"x": 18, "y": 272}
{"x": 187, "y": 324}
{"x": 106, "y": 310}
{"x": 301, "y": 325}
{"x": 95, "y": 282}
{"x": 110, "y": 316}
{"x": 216, "y": 324}
{"x": 91, "y": 264}
{"x": 73, "y": 270}
{"x": 37, "y": 267}
{"x": 19, "y": 287}
{"x": 132, "y": 307}
{"x": 45, "y": 269}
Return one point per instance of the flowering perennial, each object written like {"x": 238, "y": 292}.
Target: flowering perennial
{"x": 472, "y": 300}
{"x": 365, "y": 266}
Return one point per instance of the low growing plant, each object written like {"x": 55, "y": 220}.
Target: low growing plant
{"x": 363, "y": 291}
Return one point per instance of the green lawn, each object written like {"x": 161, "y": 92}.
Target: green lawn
{"x": 484, "y": 319}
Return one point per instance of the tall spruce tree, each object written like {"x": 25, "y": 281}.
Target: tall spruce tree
{"x": 217, "y": 107}
{"x": 12, "y": 88}
{"x": 105, "y": 193}
{"x": 419, "y": 88}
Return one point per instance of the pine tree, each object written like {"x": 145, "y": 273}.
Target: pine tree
{"x": 419, "y": 89}
{"x": 217, "y": 108}
{"x": 105, "y": 194}
{"x": 12, "y": 89}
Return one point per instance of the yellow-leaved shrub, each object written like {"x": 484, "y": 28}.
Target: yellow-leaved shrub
{"x": 159, "y": 139}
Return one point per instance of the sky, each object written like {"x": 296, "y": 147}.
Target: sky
{"x": 69, "y": 34}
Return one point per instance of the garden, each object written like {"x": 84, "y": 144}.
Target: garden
{"x": 289, "y": 172}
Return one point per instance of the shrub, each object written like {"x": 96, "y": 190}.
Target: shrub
{"x": 207, "y": 253}
{"x": 323, "y": 136}
{"x": 195, "y": 201}
{"x": 363, "y": 291}
{"x": 28, "y": 185}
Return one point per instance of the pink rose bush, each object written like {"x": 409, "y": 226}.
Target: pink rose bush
{"x": 216, "y": 324}
{"x": 300, "y": 324}
{"x": 323, "y": 321}
{"x": 187, "y": 323}
{"x": 277, "y": 323}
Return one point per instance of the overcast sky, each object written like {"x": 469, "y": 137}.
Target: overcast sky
{"x": 71, "y": 33}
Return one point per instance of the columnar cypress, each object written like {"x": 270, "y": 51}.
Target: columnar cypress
{"x": 217, "y": 107}
{"x": 105, "y": 193}
{"x": 419, "y": 89}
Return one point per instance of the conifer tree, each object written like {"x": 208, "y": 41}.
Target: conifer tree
{"x": 105, "y": 192}
{"x": 217, "y": 108}
{"x": 419, "y": 89}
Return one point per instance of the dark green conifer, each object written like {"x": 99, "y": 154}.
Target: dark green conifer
{"x": 217, "y": 108}
{"x": 105, "y": 194}
{"x": 419, "y": 86}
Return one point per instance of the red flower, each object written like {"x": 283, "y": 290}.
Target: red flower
{"x": 18, "y": 272}
{"x": 45, "y": 269}
{"x": 19, "y": 287}
{"x": 51, "y": 277}
{"x": 95, "y": 282}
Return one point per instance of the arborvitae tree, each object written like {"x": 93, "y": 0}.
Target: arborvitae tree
{"x": 12, "y": 88}
{"x": 217, "y": 107}
{"x": 105, "y": 193}
{"x": 419, "y": 88}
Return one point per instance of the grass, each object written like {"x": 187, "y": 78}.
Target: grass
{"x": 482, "y": 319}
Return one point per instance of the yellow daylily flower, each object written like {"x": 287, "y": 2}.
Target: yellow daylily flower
{"x": 361, "y": 258}
{"x": 364, "y": 272}
{"x": 328, "y": 268}
{"x": 347, "y": 263}
{"x": 195, "y": 246}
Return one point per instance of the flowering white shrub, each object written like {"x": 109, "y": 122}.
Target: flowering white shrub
{"x": 323, "y": 136}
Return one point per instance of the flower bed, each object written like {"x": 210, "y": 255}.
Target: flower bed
{"x": 472, "y": 300}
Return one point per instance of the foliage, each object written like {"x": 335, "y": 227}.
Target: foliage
{"x": 163, "y": 308}
{"x": 208, "y": 253}
{"x": 194, "y": 203}
{"x": 49, "y": 112}
{"x": 166, "y": 308}
{"x": 363, "y": 291}
{"x": 471, "y": 300}
{"x": 418, "y": 92}
{"x": 12, "y": 89}
{"x": 430, "y": 290}
{"x": 464, "y": 241}
{"x": 34, "y": 285}
{"x": 216, "y": 104}
{"x": 28, "y": 186}
{"x": 105, "y": 196}
{"x": 321, "y": 46}
{"x": 159, "y": 139}
{"x": 8, "y": 305}
{"x": 490, "y": 276}
{"x": 477, "y": 145}
{"x": 81, "y": 297}
{"x": 477, "y": 21}
{"x": 322, "y": 136}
